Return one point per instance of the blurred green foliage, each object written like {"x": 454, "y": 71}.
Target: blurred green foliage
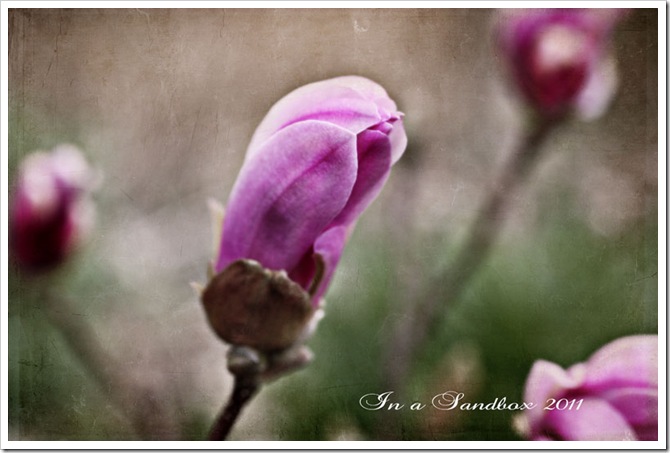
{"x": 51, "y": 396}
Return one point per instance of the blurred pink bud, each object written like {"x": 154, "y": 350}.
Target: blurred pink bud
{"x": 612, "y": 396}
{"x": 316, "y": 161}
{"x": 560, "y": 58}
{"x": 50, "y": 210}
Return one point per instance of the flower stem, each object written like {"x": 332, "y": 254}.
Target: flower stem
{"x": 444, "y": 288}
{"x": 244, "y": 389}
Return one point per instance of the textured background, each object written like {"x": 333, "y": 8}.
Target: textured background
{"x": 164, "y": 103}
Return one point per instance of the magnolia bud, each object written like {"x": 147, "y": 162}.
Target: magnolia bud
{"x": 318, "y": 159}
{"x": 50, "y": 208}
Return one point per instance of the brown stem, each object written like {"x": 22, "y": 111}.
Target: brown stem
{"x": 244, "y": 389}
{"x": 446, "y": 287}
{"x": 140, "y": 403}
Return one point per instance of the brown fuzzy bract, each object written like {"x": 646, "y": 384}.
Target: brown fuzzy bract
{"x": 249, "y": 305}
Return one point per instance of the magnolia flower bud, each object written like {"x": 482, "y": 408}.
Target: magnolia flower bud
{"x": 559, "y": 58}
{"x": 316, "y": 161}
{"x": 612, "y": 396}
{"x": 50, "y": 208}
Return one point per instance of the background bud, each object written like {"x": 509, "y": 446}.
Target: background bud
{"x": 50, "y": 209}
{"x": 559, "y": 58}
{"x": 618, "y": 389}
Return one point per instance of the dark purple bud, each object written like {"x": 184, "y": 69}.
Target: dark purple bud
{"x": 560, "y": 58}
{"x": 50, "y": 209}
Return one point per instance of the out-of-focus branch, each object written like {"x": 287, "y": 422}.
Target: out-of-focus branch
{"x": 445, "y": 287}
{"x": 141, "y": 404}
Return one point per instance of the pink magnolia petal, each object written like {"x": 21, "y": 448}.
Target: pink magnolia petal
{"x": 638, "y": 406}
{"x": 335, "y": 100}
{"x": 398, "y": 139}
{"x": 546, "y": 380}
{"x": 288, "y": 193}
{"x": 304, "y": 272}
{"x": 596, "y": 419}
{"x": 630, "y": 361}
{"x": 374, "y": 167}
{"x": 599, "y": 90}
{"x": 329, "y": 247}
{"x": 325, "y": 254}
{"x": 370, "y": 90}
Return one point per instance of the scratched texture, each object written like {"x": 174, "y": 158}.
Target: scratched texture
{"x": 164, "y": 102}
